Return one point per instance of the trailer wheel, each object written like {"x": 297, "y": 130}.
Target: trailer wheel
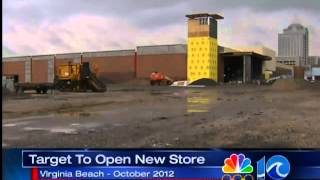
{"x": 17, "y": 89}
{"x": 44, "y": 91}
{"x": 20, "y": 90}
{"x": 151, "y": 82}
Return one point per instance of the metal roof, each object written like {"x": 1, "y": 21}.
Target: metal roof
{"x": 68, "y": 55}
{"x": 43, "y": 57}
{"x": 162, "y": 49}
{"x": 17, "y": 58}
{"x": 231, "y": 54}
{"x": 215, "y": 16}
{"x": 125, "y": 52}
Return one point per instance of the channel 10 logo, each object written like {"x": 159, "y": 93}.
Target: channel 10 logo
{"x": 238, "y": 167}
{"x": 277, "y": 167}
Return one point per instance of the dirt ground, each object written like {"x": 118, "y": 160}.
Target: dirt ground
{"x": 284, "y": 115}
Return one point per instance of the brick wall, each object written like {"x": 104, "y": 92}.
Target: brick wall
{"x": 14, "y": 67}
{"x": 112, "y": 68}
{"x": 173, "y": 65}
{"x": 39, "y": 71}
{"x": 115, "y": 66}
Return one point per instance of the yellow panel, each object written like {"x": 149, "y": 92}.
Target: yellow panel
{"x": 202, "y": 58}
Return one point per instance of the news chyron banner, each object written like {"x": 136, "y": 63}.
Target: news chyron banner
{"x": 215, "y": 164}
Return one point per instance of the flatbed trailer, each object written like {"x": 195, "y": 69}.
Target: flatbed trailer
{"x": 40, "y": 88}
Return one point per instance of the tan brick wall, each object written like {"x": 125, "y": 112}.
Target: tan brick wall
{"x": 14, "y": 67}
{"x": 39, "y": 71}
{"x": 173, "y": 65}
{"x": 112, "y": 68}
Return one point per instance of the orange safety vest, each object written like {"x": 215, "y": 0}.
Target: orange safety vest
{"x": 156, "y": 76}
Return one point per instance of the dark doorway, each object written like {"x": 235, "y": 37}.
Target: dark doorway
{"x": 241, "y": 67}
{"x": 256, "y": 69}
{"x": 233, "y": 69}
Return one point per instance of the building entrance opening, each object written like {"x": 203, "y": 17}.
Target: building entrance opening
{"x": 233, "y": 69}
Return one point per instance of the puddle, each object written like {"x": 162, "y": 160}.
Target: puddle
{"x": 31, "y": 117}
{"x": 75, "y": 124}
{"x": 201, "y": 102}
{"x": 33, "y": 129}
{"x": 9, "y": 125}
{"x": 74, "y": 114}
{"x": 63, "y": 130}
{"x": 53, "y": 130}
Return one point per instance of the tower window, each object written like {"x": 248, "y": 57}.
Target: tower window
{"x": 203, "y": 20}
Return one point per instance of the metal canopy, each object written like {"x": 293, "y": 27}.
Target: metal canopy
{"x": 232, "y": 54}
{"x": 215, "y": 16}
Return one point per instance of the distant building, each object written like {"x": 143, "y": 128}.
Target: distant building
{"x": 313, "y": 73}
{"x": 299, "y": 61}
{"x": 314, "y": 60}
{"x": 293, "y": 45}
{"x": 293, "y": 61}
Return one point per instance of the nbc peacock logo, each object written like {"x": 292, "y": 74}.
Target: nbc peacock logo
{"x": 237, "y": 164}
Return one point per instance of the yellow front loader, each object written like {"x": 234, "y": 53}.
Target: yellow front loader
{"x": 77, "y": 78}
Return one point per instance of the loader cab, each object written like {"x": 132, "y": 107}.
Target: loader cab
{"x": 69, "y": 71}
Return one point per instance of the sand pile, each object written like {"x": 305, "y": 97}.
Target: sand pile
{"x": 204, "y": 81}
{"x": 285, "y": 84}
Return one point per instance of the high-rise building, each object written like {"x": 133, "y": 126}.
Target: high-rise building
{"x": 202, "y": 46}
{"x": 314, "y": 60}
{"x": 293, "y": 43}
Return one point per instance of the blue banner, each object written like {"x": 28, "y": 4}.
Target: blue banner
{"x": 160, "y": 164}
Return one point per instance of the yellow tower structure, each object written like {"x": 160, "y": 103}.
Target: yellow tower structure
{"x": 202, "y": 46}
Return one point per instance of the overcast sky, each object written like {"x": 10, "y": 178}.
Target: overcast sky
{"x": 59, "y": 26}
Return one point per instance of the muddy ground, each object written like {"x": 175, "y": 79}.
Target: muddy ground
{"x": 238, "y": 116}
